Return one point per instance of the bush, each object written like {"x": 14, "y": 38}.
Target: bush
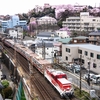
{"x": 83, "y": 96}
{"x": 7, "y": 92}
{"x": 5, "y": 83}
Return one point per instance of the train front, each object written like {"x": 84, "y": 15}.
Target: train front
{"x": 66, "y": 87}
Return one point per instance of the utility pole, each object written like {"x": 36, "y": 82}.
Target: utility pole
{"x": 43, "y": 49}
{"x": 80, "y": 60}
{"x": 88, "y": 80}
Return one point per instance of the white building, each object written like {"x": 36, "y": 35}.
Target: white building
{"x": 63, "y": 33}
{"x": 90, "y": 53}
{"x": 14, "y": 33}
{"x": 84, "y": 22}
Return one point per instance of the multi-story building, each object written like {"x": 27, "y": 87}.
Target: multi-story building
{"x": 12, "y": 22}
{"x": 84, "y": 22}
{"x": 90, "y": 53}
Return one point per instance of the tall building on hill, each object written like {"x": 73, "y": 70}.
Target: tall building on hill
{"x": 84, "y": 22}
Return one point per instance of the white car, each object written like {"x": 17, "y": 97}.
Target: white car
{"x": 96, "y": 79}
{"x": 85, "y": 77}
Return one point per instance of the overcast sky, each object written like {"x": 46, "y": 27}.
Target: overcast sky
{"x": 12, "y": 7}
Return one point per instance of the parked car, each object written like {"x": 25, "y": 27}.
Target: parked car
{"x": 96, "y": 79}
{"x": 76, "y": 68}
{"x": 73, "y": 68}
{"x": 85, "y": 77}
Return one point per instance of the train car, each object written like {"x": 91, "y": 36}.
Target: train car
{"x": 7, "y": 42}
{"x": 60, "y": 82}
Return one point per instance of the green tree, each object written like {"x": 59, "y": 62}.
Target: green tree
{"x": 75, "y": 34}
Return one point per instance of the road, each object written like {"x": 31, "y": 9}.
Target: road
{"x": 75, "y": 78}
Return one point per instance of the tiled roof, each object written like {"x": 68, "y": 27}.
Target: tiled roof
{"x": 66, "y": 40}
{"x": 46, "y": 45}
{"x": 95, "y": 33}
{"x": 80, "y": 37}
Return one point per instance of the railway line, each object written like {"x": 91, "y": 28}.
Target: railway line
{"x": 45, "y": 90}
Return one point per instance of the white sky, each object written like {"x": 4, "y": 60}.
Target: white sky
{"x": 12, "y": 7}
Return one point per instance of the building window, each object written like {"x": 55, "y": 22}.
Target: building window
{"x": 98, "y": 56}
{"x": 66, "y": 58}
{"x": 75, "y": 41}
{"x": 67, "y": 50}
{"x": 79, "y": 51}
{"x": 91, "y": 55}
{"x": 94, "y": 65}
{"x": 93, "y": 19}
{"x": 86, "y": 53}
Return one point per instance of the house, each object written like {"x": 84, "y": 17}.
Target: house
{"x": 46, "y": 51}
{"x": 89, "y": 52}
{"x": 79, "y": 39}
{"x": 94, "y": 38}
{"x": 63, "y": 32}
{"x": 11, "y": 32}
{"x": 47, "y": 36}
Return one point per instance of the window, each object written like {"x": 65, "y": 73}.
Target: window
{"x": 93, "y": 19}
{"x": 79, "y": 51}
{"x": 66, "y": 58}
{"x": 67, "y": 50}
{"x": 91, "y": 55}
{"x": 94, "y": 65}
{"x": 98, "y": 56}
{"x": 86, "y": 53}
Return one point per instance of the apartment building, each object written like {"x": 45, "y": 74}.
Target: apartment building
{"x": 84, "y": 22}
{"x": 12, "y": 22}
{"x": 90, "y": 53}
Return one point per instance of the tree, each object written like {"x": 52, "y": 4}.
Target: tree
{"x": 75, "y": 34}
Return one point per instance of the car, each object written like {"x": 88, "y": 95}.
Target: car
{"x": 75, "y": 68}
{"x": 96, "y": 79}
{"x": 85, "y": 77}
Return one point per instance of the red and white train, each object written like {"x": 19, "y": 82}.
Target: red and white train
{"x": 57, "y": 78}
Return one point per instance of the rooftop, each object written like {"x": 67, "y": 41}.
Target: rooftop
{"x": 80, "y": 37}
{"x": 66, "y": 40}
{"x": 86, "y": 46}
{"x": 95, "y": 33}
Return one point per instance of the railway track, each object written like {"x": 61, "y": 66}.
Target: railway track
{"x": 45, "y": 90}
